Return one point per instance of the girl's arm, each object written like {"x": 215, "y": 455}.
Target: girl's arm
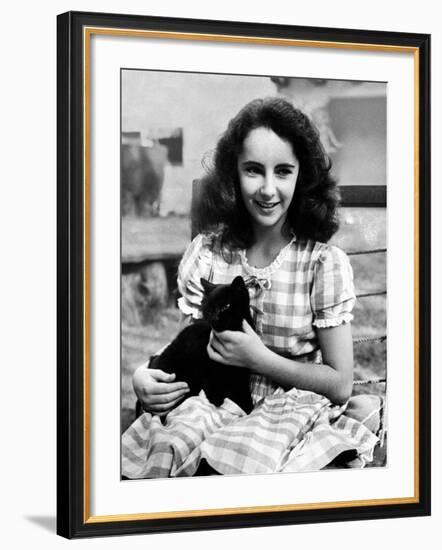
{"x": 157, "y": 390}
{"x": 333, "y": 378}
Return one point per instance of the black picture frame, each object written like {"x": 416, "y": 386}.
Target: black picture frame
{"x": 73, "y": 517}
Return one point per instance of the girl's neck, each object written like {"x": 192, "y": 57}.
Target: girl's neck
{"x": 266, "y": 246}
{"x": 271, "y": 237}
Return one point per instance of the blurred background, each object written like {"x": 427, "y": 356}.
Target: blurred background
{"x": 170, "y": 124}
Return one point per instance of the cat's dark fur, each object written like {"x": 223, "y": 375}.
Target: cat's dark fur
{"x": 223, "y": 307}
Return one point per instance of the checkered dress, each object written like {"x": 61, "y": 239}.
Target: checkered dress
{"x": 308, "y": 285}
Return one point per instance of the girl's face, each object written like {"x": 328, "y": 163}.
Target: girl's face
{"x": 268, "y": 170}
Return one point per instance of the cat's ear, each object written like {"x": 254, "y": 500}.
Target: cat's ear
{"x": 238, "y": 282}
{"x": 207, "y": 285}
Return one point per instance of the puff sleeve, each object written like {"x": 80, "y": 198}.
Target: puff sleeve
{"x": 332, "y": 295}
{"x": 195, "y": 263}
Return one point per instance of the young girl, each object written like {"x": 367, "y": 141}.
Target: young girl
{"x": 267, "y": 212}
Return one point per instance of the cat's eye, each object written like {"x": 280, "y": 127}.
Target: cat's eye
{"x": 224, "y": 308}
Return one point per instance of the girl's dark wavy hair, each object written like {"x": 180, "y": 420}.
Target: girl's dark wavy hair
{"x": 312, "y": 212}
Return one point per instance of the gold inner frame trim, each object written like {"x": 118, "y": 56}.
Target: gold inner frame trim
{"x": 248, "y": 510}
{"x": 87, "y": 33}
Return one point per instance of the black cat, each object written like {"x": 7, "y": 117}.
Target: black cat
{"x": 223, "y": 307}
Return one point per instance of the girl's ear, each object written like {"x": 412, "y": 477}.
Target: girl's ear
{"x": 238, "y": 282}
{"x": 207, "y": 285}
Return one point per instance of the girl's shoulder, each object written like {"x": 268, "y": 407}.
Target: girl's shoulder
{"x": 206, "y": 248}
{"x": 317, "y": 252}
{"x": 204, "y": 243}
{"x": 199, "y": 248}
{"x": 317, "y": 249}
{"x": 210, "y": 246}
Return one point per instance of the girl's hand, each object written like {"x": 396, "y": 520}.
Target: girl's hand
{"x": 157, "y": 391}
{"x": 240, "y": 349}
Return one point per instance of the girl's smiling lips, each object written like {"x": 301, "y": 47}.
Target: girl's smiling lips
{"x": 263, "y": 204}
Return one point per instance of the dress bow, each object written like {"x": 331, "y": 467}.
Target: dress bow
{"x": 257, "y": 283}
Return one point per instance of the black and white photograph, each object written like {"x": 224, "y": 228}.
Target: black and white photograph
{"x": 243, "y": 270}
{"x": 253, "y": 274}
{"x": 220, "y": 298}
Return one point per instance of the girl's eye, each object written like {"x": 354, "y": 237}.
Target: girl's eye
{"x": 252, "y": 170}
{"x": 283, "y": 172}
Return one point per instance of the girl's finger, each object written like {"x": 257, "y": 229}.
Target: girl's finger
{"x": 178, "y": 400}
{"x": 231, "y": 336}
{"x": 215, "y": 356}
{"x": 165, "y": 398}
{"x": 159, "y": 408}
{"x": 214, "y": 340}
{"x": 161, "y": 376}
{"x": 247, "y": 328}
{"x": 165, "y": 407}
{"x": 216, "y": 337}
{"x": 167, "y": 387}
{"x": 215, "y": 345}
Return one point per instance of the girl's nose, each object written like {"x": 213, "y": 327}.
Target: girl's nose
{"x": 267, "y": 189}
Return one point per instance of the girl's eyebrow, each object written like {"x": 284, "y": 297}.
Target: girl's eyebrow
{"x": 287, "y": 164}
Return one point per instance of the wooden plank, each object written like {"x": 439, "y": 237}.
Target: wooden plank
{"x": 154, "y": 239}
{"x": 364, "y": 195}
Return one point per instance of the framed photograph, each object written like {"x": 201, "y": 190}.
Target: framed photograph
{"x": 243, "y": 274}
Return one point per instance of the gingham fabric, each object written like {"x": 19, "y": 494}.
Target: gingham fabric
{"x": 308, "y": 285}
{"x": 296, "y": 431}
